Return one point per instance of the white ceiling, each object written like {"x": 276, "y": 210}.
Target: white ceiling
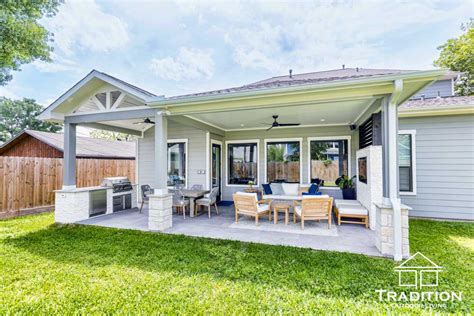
{"x": 340, "y": 113}
{"x": 334, "y": 113}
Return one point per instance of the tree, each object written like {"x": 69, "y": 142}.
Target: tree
{"x": 112, "y": 135}
{"x": 17, "y": 115}
{"x": 458, "y": 54}
{"x": 22, "y": 38}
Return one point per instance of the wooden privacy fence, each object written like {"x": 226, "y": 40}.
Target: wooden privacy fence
{"x": 283, "y": 170}
{"x": 328, "y": 172}
{"x": 29, "y": 182}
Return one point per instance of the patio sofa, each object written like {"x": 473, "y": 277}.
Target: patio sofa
{"x": 285, "y": 191}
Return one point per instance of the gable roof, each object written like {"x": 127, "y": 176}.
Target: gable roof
{"x": 135, "y": 91}
{"x": 437, "y": 106}
{"x": 85, "y": 146}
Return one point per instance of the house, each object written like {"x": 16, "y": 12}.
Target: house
{"x": 31, "y": 143}
{"x": 222, "y": 142}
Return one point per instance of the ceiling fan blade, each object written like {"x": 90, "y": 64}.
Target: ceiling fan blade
{"x": 269, "y": 128}
{"x": 288, "y": 124}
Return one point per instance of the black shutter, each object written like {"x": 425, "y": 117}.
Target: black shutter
{"x": 370, "y": 132}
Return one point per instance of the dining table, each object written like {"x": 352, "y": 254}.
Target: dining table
{"x": 192, "y": 195}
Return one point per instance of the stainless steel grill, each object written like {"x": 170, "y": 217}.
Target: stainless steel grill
{"x": 118, "y": 184}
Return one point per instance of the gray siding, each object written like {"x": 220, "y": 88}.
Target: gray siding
{"x": 444, "y": 165}
{"x": 196, "y": 153}
{"x": 287, "y": 133}
{"x": 444, "y": 87}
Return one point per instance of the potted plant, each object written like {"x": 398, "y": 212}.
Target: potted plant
{"x": 347, "y": 187}
{"x": 251, "y": 184}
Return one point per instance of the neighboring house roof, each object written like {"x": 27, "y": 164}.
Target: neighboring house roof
{"x": 85, "y": 146}
{"x": 438, "y": 104}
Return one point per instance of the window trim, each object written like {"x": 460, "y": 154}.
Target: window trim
{"x": 329, "y": 138}
{"x": 282, "y": 140}
{"x": 243, "y": 141}
{"x": 411, "y": 132}
{"x": 185, "y": 141}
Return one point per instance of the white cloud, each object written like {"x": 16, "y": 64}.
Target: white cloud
{"x": 81, "y": 24}
{"x": 8, "y": 93}
{"x": 190, "y": 63}
{"x": 57, "y": 64}
{"x": 307, "y": 36}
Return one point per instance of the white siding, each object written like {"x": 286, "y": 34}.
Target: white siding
{"x": 443, "y": 87}
{"x": 196, "y": 153}
{"x": 445, "y": 166}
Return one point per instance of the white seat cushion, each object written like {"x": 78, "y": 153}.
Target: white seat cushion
{"x": 262, "y": 208}
{"x": 282, "y": 197}
{"x": 346, "y": 202}
{"x": 298, "y": 209}
{"x": 290, "y": 188}
{"x": 203, "y": 201}
{"x": 352, "y": 210}
{"x": 315, "y": 196}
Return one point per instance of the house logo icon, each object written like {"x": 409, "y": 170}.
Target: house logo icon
{"x": 418, "y": 271}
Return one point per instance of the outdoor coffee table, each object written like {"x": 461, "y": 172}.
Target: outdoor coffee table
{"x": 281, "y": 207}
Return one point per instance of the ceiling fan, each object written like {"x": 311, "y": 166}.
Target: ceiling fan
{"x": 145, "y": 121}
{"x": 276, "y": 124}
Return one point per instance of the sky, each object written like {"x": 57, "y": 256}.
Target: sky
{"x": 179, "y": 47}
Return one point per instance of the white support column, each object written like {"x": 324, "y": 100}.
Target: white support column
{"x": 160, "y": 205}
{"x": 161, "y": 154}
{"x": 390, "y": 180}
{"x": 69, "y": 166}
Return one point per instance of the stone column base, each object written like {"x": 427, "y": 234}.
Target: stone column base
{"x": 384, "y": 240}
{"x": 71, "y": 206}
{"x": 160, "y": 211}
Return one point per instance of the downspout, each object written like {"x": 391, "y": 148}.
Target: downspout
{"x": 393, "y": 178}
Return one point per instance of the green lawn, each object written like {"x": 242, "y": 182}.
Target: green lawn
{"x": 47, "y": 268}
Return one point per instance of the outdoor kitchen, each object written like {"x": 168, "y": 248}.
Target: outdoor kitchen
{"x": 113, "y": 195}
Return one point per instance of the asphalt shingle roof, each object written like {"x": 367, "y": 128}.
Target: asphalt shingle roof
{"x": 302, "y": 79}
{"x": 438, "y": 103}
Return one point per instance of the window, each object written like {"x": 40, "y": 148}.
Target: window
{"x": 406, "y": 161}
{"x": 242, "y": 163}
{"x": 176, "y": 163}
{"x": 283, "y": 161}
{"x": 329, "y": 159}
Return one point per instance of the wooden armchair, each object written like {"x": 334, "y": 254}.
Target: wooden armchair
{"x": 248, "y": 204}
{"x": 313, "y": 208}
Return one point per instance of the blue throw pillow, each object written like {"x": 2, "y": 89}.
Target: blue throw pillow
{"x": 316, "y": 193}
{"x": 267, "y": 189}
{"x": 313, "y": 189}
